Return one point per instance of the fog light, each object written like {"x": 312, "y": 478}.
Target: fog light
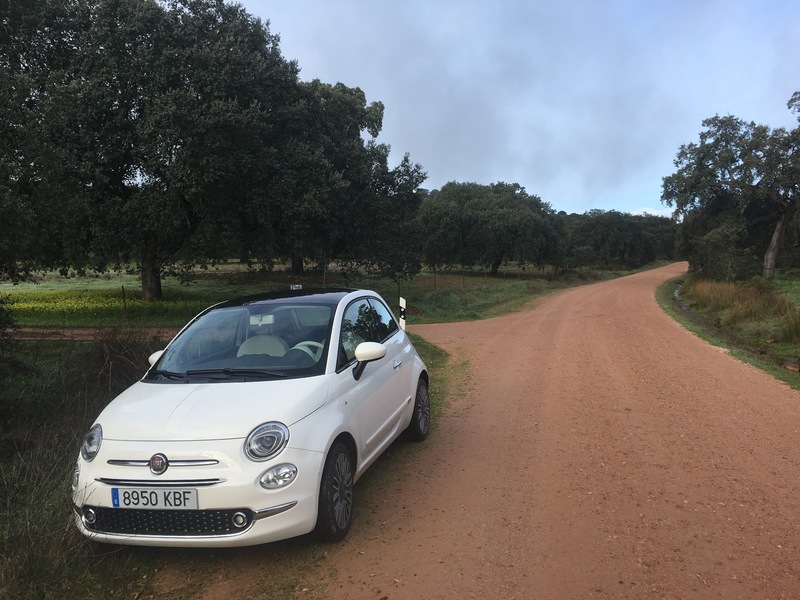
{"x": 278, "y": 477}
{"x": 239, "y": 520}
{"x": 89, "y": 516}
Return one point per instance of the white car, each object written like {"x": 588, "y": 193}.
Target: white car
{"x": 253, "y": 424}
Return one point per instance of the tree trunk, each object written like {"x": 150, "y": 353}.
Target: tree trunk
{"x": 297, "y": 265}
{"x": 151, "y": 280}
{"x": 496, "y": 265}
{"x": 771, "y": 255}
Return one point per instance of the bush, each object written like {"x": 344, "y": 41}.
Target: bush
{"x": 723, "y": 254}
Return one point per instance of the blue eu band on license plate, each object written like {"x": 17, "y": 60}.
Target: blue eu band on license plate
{"x": 154, "y": 498}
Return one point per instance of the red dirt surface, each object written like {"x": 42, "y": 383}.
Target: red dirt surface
{"x": 594, "y": 449}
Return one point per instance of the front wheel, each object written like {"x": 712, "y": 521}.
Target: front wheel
{"x": 336, "y": 495}
{"x": 421, "y": 418}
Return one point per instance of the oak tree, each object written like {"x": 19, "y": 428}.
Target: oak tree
{"x": 144, "y": 129}
{"x": 747, "y": 170}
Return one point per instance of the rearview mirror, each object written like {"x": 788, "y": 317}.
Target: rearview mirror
{"x": 367, "y": 352}
{"x": 154, "y": 357}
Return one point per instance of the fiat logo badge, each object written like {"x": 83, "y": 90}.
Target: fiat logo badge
{"x": 158, "y": 464}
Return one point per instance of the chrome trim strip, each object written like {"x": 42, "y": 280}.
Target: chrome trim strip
{"x": 128, "y": 463}
{"x": 173, "y": 463}
{"x": 160, "y": 483}
{"x": 273, "y": 510}
{"x": 124, "y": 536}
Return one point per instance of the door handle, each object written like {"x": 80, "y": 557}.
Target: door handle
{"x": 396, "y": 364}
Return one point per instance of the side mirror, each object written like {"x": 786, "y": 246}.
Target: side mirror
{"x": 154, "y": 357}
{"x": 367, "y": 352}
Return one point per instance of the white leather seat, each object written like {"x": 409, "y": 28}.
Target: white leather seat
{"x": 272, "y": 345}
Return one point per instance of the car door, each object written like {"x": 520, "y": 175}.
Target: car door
{"x": 399, "y": 351}
{"x": 372, "y": 402}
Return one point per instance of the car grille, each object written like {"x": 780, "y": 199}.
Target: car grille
{"x": 131, "y": 521}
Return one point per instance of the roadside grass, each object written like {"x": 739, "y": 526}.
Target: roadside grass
{"x": 45, "y": 407}
{"x": 756, "y": 321}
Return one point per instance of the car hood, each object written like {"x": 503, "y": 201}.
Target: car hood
{"x": 208, "y": 411}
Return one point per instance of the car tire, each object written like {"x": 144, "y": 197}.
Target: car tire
{"x": 420, "y": 424}
{"x": 336, "y": 494}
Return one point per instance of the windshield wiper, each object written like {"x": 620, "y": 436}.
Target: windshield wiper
{"x": 227, "y": 373}
{"x": 168, "y": 374}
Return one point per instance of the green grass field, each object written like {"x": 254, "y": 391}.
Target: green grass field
{"x": 112, "y": 300}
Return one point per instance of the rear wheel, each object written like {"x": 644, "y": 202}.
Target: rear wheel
{"x": 421, "y": 419}
{"x": 336, "y": 494}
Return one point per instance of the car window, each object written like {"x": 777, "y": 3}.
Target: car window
{"x": 356, "y": 328}
{"x": 213, "y": 333}
{"x": 312, "y": 316}
{"x": 264, "y": 339}
{"x": 365, "y": 320}
{"x": 384, "y": 324}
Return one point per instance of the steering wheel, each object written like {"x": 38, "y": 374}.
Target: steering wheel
{"x": 313, "y": 349}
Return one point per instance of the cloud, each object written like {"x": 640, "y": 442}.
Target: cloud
{"x": 584, "y": 103}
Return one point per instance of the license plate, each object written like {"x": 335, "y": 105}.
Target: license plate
{"x": 154, "y": 498}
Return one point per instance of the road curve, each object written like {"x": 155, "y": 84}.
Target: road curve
{"x": 595, "y": 450}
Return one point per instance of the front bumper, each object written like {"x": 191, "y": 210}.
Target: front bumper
{"x": 233, "y": 509}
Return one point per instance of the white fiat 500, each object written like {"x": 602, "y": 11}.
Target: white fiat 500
{"x": 253, "y": 424}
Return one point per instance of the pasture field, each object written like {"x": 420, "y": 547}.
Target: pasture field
{"x": 115, "y": 299}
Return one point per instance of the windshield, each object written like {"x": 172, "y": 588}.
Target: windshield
{"x": 264, "y": 340}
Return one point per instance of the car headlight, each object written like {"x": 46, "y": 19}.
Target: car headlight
{"x": 91, "y": 443}
{"x": 266, "y": 441}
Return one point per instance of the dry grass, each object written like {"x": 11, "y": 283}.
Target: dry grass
{"x": 756, "y": 305}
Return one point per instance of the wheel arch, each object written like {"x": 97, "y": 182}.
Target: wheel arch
{"x": 424, "y": 376}
{"x": 348, "y": 440}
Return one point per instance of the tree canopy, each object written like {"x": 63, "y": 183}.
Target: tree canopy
{"x": 472, "y": 224}
{"x": 140, "y": 126}
{"x": 334, "y": 188}
{"x": 171, "y": 133}
{"x": 735, "y": 192}
{"x": 614, "y": 239}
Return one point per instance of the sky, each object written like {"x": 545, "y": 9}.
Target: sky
{"x": 584, "y": 103}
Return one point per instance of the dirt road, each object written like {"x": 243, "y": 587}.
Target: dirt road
{"x": 596, "y": 450}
